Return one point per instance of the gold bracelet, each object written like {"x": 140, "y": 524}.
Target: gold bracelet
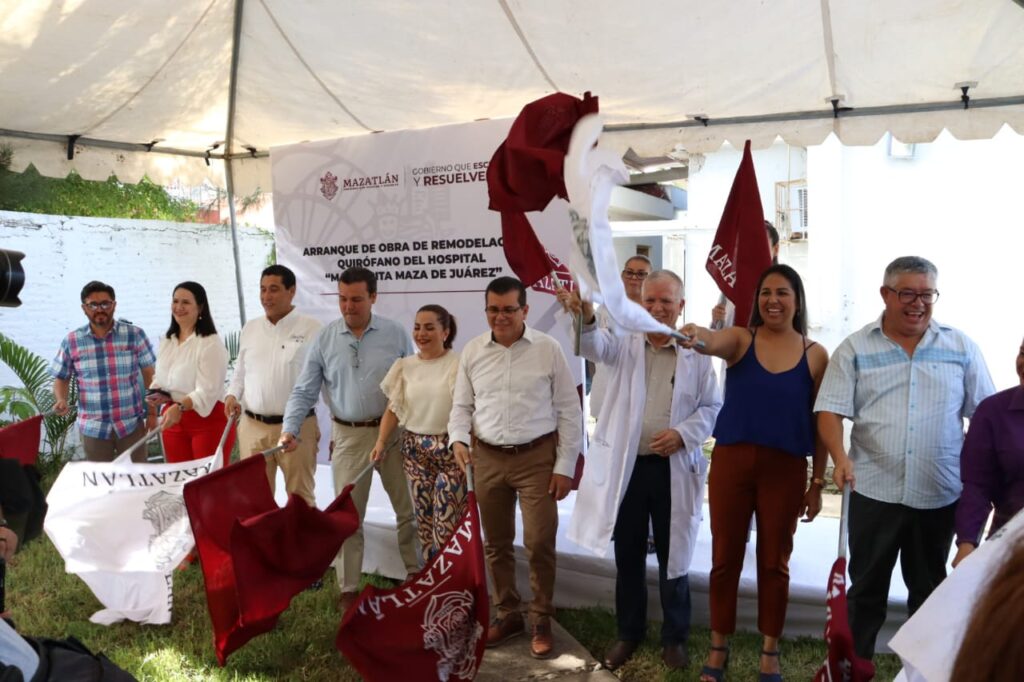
{"x": 820, "y": 482}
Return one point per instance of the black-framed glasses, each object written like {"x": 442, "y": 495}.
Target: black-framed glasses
{"x": 909, "y": 295}
{"x": 99, "y": 305}
{"x": 507, "y": 310}
{"x": 635, "y": 274}
{"x": 354, "y": 346}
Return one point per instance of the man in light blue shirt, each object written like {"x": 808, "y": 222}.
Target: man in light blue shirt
{"x": 349, "y": 358}
{"x": 907, "y": 383}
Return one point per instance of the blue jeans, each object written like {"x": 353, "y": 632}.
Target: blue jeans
{"x": 648, "y": 499}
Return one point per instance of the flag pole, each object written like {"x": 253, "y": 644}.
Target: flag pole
{"x": 271, "y": 451}
{"x": 683, "y": 337}
{"x": 365, "y": 470}
{"x": 844, "y": 515}
{"x": 469, "y": 477}
{"x": 224, "y": 436}
{"x": 577, "y": 318}
{"x": 718, "y": 324}
{"x": 126, "y": 455}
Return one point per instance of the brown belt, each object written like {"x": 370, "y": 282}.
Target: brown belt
{"x": 516, "y": 449}
{"x": 272, "y": 418}
{"x": 369, "y": 422}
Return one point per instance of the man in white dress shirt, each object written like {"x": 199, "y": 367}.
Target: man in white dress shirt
{"x": 270, "y": 356}
{"x": 515, "y": 393}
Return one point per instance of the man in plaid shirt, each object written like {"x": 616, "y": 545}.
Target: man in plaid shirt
{"x": 106, "y": 356}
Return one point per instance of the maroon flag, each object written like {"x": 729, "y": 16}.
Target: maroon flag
{"x": 20, "y": 440}
{"x": 255, "y": 556}
{"x": 740, "y": 251}
{"x": 526, "y": 173}
{"x": 433, "y": 627}
{"x": 842, "y": 664}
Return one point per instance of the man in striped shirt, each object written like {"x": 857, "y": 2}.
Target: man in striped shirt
{"x": 107, "y": 357}
{"x": 907, "y": 383}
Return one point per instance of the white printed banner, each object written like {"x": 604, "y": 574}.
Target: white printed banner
{"x": 412, "y": 207}
{"x": 122, "y": 528}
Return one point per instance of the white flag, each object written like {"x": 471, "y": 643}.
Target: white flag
{"x": 122, "y": 527}
{"x": 590, "y": 176}
{"x": 929, "y": 641}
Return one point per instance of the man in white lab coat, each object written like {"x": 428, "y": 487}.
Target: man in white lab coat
{"x": 645, "y": 465}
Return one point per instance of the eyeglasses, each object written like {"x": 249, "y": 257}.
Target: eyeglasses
{"x": 354, "y": 346}
{"x": 507, "y": 310}
{"x": 635, "y": 274}
{"x": 909, "y": 295}
{"x": 99, "y": 305}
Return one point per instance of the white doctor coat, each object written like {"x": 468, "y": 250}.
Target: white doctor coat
{"x": 696, "y": 401}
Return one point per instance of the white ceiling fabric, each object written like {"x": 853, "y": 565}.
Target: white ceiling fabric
{"x": 138, "y": 71}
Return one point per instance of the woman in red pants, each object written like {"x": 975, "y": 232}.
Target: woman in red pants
{"x": 763, "y": 437}
{"x": 191, "y": 366}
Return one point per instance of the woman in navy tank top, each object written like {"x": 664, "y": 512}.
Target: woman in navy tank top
{"x": 763, "y": 437}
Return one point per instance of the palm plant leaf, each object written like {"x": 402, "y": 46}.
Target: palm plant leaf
{"x": 30, "y": 369}
{"x": 33, "y": 371}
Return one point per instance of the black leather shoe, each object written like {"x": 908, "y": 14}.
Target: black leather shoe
{"x": 619, "y": 653}
{"x": 675, "y": 656}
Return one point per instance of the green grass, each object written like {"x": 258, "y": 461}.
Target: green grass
{"x": 46, "y": 601}
{"x": 801, "y": 657}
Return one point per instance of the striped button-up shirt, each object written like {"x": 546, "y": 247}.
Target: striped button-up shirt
{"x": 109, "y": 381}
{"x": 907, "y": 412}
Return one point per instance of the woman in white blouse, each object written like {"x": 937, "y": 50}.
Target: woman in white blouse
{"x": 419, "y": 390}
{"x": 191, "y": 366}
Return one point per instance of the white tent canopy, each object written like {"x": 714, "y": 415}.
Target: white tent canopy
{"x": 129, "y": 76}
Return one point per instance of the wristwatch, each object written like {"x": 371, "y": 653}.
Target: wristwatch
{"x": 820, "y": 482}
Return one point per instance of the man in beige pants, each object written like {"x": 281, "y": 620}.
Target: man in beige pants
{"x": 270, "y": 355}
{"x": 515, "y": 394}
{"x": 350, "y": 357}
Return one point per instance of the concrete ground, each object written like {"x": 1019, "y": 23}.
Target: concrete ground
{"x": 571, "y": 663}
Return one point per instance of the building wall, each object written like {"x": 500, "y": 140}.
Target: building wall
{"x": 956, "y": 203}
{"x": 711, "y": 177}
{"x": 141, "y": 259}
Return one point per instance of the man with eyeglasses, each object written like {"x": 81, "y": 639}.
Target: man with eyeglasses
{"x": 634, "y": 273}
{"x": 650, "y": 437}
{"x": 515, "y": 394}
{"x": 106, "y": 357}
{"x": 907, "y": 383}
{"x": 349, "y": 358}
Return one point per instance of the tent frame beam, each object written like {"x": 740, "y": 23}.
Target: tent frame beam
{"x": 837, "y": 112}
{"x": 110, "y": 144}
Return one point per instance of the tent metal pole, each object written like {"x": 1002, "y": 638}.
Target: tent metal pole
{"x": 820, "y": 114}
{"x": 144, "y": 148}
{"x": 229, "y": 175}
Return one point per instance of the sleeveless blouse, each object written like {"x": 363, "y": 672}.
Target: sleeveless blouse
{"x": 767, "y": 409}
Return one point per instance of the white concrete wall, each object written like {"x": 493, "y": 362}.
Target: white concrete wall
{"x": 710, "y": 180}
{"x": 711, "y": 177}
{"x": 141, "y": 259}
{"x": 955, "y": 203}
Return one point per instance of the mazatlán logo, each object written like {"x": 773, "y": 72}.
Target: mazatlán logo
{"x": 329, "y": 185}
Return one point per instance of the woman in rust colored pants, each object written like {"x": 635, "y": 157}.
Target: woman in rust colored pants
{"x": 763, "y": 436}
